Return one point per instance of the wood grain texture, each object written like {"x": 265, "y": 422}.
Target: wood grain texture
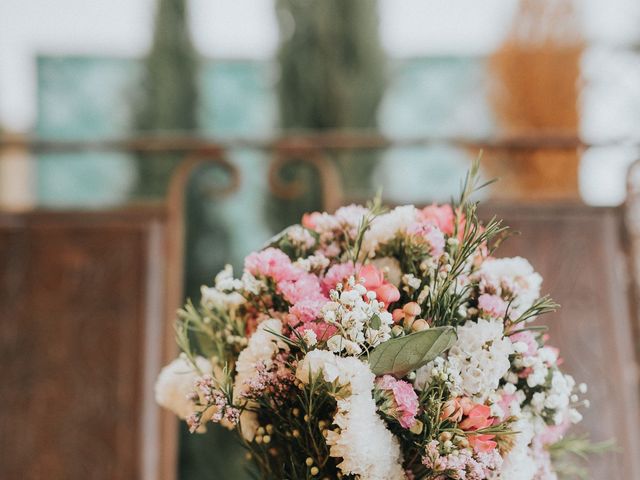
{"x": 81, "y": 295}
{"x": 581, "y": 253}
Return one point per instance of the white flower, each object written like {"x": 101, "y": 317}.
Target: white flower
{"x": 214, "y": 298}
{"x": 353, "y": 314}
{"x": 313, "y": 262}
{"x": 224, "y": 295}
{"x": 176, "y": 382}
{"x": 367, "y": 449}
{"x": 412, "y": 281}
{"x": 338, "y": 343}
{"x": 301, "y": 236}
{"x": 262, "y": 347}
{"x": 351, "y": 215}
{"x": 519, "y": 463}
{"x": 346, "y": 218}
{"x": 438, "y": 368}
{"x": 317, "y": 362}
{"x": 512, "y": 278}
{"x": 251, "y": 284}
{"x": 309, "y": 337}
{"x": 224, "y": 281}
{"x": 574, "y": 416}
{"x": 385, "y": 227}
{"x": 480, "y": 357}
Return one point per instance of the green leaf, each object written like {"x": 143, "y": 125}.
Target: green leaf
{"x": 375, "y": 322}
{"x": 400, "y": 356}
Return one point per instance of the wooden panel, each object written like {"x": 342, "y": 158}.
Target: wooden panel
{"x": 580, "y": 253}
{"x": 82, "y": 329}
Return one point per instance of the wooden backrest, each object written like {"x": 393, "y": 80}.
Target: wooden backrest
{"x": 582, "y": 254}
{"x": 83, "y": 333}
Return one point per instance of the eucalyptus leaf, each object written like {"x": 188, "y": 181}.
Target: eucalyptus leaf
{"x": 375, "y": 322}
{"x": 400, "y": 356}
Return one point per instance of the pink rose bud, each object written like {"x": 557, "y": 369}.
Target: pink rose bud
{"x": 483, "y": 443}
{"x": 451, "y": 410}
{"x": 479, "y": 417}
{"x": 397, "y": 315}
{"x": 309, "y": 220}
{"x": 373, "y": 278}
{"x": 411, "y": 309}
{"x": 388, "y": 293}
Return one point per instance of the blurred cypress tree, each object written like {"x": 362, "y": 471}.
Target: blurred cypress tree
{"x": 332, "y": 76}
{"x": 168, "y": 103}
{"x": 169, "y": 92}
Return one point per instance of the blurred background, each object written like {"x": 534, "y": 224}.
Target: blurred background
{"x": 146, "y": 143}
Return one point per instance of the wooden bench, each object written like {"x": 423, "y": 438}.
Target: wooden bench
{"x": 583, "y": 254}
{"x": 83, "y": 332}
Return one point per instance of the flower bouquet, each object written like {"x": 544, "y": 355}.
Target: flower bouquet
{"x": 373, "y": 344}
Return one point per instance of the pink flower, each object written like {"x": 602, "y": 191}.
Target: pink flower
{"x": 431, "y": 234}
{"x": 371, "y": 276}
{"x": 309, "y": 220}
{"x": 505, "y": 402}
{"x": 527, "y": 338}
{"x": 553, "y": 433}
{"x": 307, "y": 310}
{"x": 271, "y": 262}
{"x": 443, "y": 216}
{"x": 451, "y": 410}
{"x": 338, "y": 273}
{"x": 374, "y": 281}
{"x": 461, "y": 464}
{"x": 477, "y": 417}
{"x": 404, "y": 400}
{"x": 493, "y": 305}
{"x": 482, "y": 443}
{"x": 387, "y": 294}
{"x": 305, "y": 286}
{"x": 525, "y": 372}
{"x": 323, "y": 330}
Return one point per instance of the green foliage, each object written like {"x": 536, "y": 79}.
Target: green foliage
{"x": 445, "y": 296}
{"x": 541, "y": 306}
{"x": 204, "y": 331}
{"x": 354, "y": 250}
{"x": 472, "y": 183}
{"x": 566, "y": 454}
{"x": 401, "y": 355}
{"x": 293, "y": 438}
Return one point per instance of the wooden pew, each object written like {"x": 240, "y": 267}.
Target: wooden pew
{"x": 582, "y": 253}
{"x": 83, "y": 332}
